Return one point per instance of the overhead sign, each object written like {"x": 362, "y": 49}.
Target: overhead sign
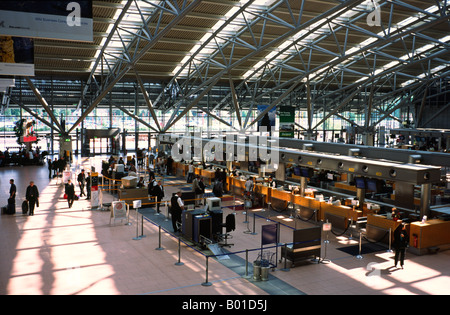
{"x": 287, "y": 121}
{"x": 65, "y": 20}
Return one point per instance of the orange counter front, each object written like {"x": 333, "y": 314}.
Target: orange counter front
{"x": 378, "y": 227}
{"x": 426, "y": 236}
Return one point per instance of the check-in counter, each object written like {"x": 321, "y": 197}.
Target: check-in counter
{"x": 280, "y": 199}
{"x": 306, "y": 207}
{"x": 236, "y": 185}
{"x": 263, "y": 191}
{"x": 345, "y": 186}
{"x": 180, "y": 169}
{"x": 378, "y": 227}
{"x": 426, "y": 237}
{"x": 130, "y": 194}
{"x": 339, "y": 216}
{"x": 208, "y": 176}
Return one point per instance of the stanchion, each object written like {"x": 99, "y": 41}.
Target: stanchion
{"x": 359, "y": 256}
{"x": 159, "y": 237}
{"x": 137, "y": 238}
{"x": 142, "y": 227}
{"x": 179, "y": 263}
{"x": 254, "y": 223}
{"x": 326, "y": 227}
{"x": 207, "y": 283}
{"x": 246, "y": 276}
{"x": 167, "y": 212}
{"x": 351, "y": 229}
{"x": 246, "y": 214}
{"x": 390, "y": 241}
{"x": 285, "y": 259}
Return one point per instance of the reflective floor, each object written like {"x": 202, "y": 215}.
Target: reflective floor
{"x": 62, "y": 250}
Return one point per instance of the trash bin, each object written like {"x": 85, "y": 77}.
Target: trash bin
{"x": 264, "y": 273}
{"x": 256, "y": 271}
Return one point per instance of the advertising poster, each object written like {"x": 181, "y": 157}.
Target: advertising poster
{"x": 268, "y": 121}
{"x": 16, "y": 56}
{"x": 64, "y": 20}
{"x": 287, "y": 121}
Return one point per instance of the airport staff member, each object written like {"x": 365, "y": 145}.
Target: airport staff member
{"x": 272, "y": 183}
{"x": 177, "y": 207}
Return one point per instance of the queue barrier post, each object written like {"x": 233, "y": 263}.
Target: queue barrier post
{"x": 137, "y": 238}
{"x": 159, "y": 240}
{"x": 359, "y": 256}
{"x": 285, "y": 258}
{"x": 390, "y": 241}
{"x": 254, "y": 223}
{"x": 207, "y": 283}
{"x": 179, "y": 262}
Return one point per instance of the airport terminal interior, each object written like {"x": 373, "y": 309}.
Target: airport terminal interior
{"x": 225, "y": 147}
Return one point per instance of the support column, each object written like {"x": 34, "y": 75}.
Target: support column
{"x": 425, "y": 198}
{"x": 361, "y": 194}
{"x": 303, "y": 184}
{"x": 280, "y": 173}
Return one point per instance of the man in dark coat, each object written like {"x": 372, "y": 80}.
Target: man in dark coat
{"x": 400, "y": 243}
{"x": 70, "y": 192}
{"x": 158, "y": 191}
{"x": 81, "y": 182}
{"x": 32, "y": 196}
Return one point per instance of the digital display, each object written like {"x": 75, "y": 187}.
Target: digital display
{"x": 360, "y": 182}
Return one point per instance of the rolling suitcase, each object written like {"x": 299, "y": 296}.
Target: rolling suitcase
{"x": 11, "y": 206}
{"x": 24, "y": 207}
{"x": 4, "y": 209}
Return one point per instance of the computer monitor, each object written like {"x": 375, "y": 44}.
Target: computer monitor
{"x": 188, "y": 198}
{"x": 360, "y": 182}
{"x": 372, "y": 185}
{"x": 297, "y": 171}
{"x": 214, "y": 203}
{"x": 119, "y": 168}
{"x": 307, "y": 172}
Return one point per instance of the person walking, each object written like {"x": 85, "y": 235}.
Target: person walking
{"x": 197, "y": 190}
{"x": 70, "y": 192}
{"x": 50, "y": 167}
{"x": 400, "y": 243}
{"x": 81, "y": 182}
{"x": 32, "y": 196}
{"x": 158, "y": 191}
{"x": 176, "y": 208}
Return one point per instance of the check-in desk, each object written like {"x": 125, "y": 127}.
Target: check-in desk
{"x": 181, "y": 169}
{"x": 338, "y": 216}
{"x": 378, "y": 227}
{"x": 280, "y": 199}
{"x": 236, "y": 185}
{"x": 130, "y": 194}
{"x": 208, "y": 176}
{"x": 262, "y": 193}
{"x": 344, "y": 186}
{"x": 426, "y": 237}
{"x": 306, "y": 206}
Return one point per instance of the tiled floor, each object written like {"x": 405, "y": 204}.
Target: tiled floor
{"x": 61, "y": 251}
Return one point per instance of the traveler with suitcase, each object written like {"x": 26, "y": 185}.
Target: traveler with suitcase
{"x": 32, "y": 196}
{"x": 11, "y": 208}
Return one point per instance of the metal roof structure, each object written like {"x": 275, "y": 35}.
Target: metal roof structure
{"x": 370, "y": 56}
